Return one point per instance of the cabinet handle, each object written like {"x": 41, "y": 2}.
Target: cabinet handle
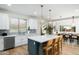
{"x": 34, "y": 43}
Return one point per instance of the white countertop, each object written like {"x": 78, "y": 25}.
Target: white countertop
{"x": 9, "y": 36}
{"x": 43, "y": 38}
{"x": 1, "y": 37}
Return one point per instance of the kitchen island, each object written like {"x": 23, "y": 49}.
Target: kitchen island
{"x": 35, "y": 43}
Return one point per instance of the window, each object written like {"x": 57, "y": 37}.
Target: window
{"x": 22, "y": 26}
{"x": 14, "y": 25}
{"x": 18, "y": 26}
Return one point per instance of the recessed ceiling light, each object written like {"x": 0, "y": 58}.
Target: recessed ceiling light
{"x": 35, "y": 13}
{"x": 9, "y": 4}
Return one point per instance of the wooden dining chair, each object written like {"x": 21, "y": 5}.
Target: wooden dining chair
{"x": 56, "y": 46}
{"x": 66, "y": 37}
{"x": 77, "y": 39}
{"x": 48, "y": 47}
{"x": 73, "y": 37}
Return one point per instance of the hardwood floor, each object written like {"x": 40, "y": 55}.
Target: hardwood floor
{"x": 23, "y": 50}
{"x": 70, "y": 50}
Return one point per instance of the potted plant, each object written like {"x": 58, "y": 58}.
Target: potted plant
{"x": 48, "y": 29}
{"x": 42, "y": 32}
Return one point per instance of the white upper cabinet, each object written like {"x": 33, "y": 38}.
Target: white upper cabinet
{"x": 4, "y": 21}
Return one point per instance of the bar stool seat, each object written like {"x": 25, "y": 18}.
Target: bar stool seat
{"x": 48, "y": 47}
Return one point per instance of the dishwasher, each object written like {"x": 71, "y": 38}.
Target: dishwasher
{"x": 9, "y": 42}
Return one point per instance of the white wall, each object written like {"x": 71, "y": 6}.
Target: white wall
{"x": 33, "y": 23}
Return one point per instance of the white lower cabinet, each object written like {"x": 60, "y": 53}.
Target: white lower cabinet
{"x": 1, "y": 44}
{"x": 20, "y": 40}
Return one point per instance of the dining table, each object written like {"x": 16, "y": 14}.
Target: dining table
{"x": 70, "y": 34}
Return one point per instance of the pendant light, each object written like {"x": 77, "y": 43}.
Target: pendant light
{"x": 42, "y": 14}
{"x": 9, "y": 4}
{"x": 50, "y": 16}
{"x": 41, "y": 11}
{"x": 73, "y": 21}
{"x": 41, "y": 19}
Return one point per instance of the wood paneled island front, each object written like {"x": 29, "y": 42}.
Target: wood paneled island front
{"x": 44, "y": 45}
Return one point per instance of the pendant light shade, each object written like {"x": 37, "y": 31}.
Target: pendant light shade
{"x": 41, "y": 5}
{"x": 73, "y": 18}
{"x": 42, "y": 14}
{"x": 73, "y": 21}
{"x": 50, "y": 14}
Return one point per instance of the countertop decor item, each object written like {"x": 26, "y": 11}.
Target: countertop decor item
{"x": 48, "y": 29}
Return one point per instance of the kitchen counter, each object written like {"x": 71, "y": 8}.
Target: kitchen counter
{"x": 43, "y": 38}
{"x": 2, "y": 37}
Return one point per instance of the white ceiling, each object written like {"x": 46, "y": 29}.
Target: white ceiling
{"x": 64, "y": 10}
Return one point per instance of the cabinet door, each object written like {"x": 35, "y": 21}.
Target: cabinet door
{"x": 1, "y": 44}
{"x": 9, "y": 42}
{"x": 33, "y": 47}
{"x": 20, "y": 40}
{"x": 4, "y": 21}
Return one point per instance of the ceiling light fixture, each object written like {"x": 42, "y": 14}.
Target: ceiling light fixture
{"x": 73, "y": 21}
{"x": 41, "y": 11}
{"x": 35, "y": 13}
{"x": 9, "y": 4}
{"x": 50, "y": 14}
